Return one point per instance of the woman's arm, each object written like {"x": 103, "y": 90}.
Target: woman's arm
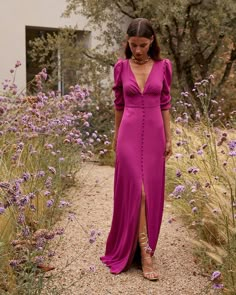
{"x": 166, "y": 121}
{"x": 118, "y": 118}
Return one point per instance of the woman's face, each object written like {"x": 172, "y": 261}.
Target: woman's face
{"x": 139, "y": 46}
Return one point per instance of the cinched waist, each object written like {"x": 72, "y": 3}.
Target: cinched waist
{"x": 142, "y": 106}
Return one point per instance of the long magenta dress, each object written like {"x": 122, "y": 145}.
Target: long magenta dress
{"x": 139, "y": 160}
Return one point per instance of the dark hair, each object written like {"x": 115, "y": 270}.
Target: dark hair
{"x": 141, "y": 27}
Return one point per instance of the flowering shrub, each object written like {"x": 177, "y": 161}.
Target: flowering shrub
{"x": 43, "y": 140}
{"x": 204, "y": 166}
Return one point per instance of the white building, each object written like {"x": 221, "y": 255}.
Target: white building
{"x": 18, "y": 18}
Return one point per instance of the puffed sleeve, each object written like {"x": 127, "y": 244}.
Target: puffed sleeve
{"x": 165, "y": 93}
{"x": 118, "y": 87}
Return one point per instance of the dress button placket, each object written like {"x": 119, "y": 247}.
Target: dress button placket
{"x": 142, "y": 136}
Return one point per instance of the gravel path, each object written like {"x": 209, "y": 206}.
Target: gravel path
{"x": 78, "y": 269}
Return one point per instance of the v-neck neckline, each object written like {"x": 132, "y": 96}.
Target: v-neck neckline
{"x": 136, "y": 82}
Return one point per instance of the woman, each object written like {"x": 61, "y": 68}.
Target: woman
{"x": 142, "y": 143}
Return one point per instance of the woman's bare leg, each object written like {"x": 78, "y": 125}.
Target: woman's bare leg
{"x": 147, "y": 262}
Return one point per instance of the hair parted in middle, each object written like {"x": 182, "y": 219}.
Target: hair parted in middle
{"x": 141, "y": 27}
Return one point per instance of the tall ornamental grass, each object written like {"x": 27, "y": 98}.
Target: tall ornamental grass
{"x": 202, "y": 173}
{"x": 43, "y": 140}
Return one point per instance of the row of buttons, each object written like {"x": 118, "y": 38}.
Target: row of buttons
{"x": 142, "y": 137}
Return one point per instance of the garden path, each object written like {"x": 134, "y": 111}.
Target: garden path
{"x": 78, "y": 270}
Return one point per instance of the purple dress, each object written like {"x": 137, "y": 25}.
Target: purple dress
{"x": 139, "y": 160}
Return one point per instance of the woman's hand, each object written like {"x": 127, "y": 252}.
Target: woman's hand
{"x": 168, "y": 151}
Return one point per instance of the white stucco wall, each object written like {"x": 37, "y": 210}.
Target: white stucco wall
{"x": 15, "y": 15}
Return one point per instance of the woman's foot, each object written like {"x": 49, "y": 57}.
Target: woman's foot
{"x": 146, "y": 259}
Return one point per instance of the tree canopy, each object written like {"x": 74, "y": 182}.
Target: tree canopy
{"x": 199, "y": 36}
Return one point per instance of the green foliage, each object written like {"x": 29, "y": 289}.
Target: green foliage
{"x": 197, "y": 35}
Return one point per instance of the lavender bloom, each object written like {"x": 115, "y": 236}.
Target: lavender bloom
{"x": 194, "y": 209}
{"x": 178, "y": 131}
{"x": 200, "y": 152}
{"x": 18, "y": 64}
{"x": 178, "y": 173}
{"x": 50, "y": 203}
{"x": 2, "y": 210}
{"x": 60, "y": 231}
{"x": 232, "y": 153}
{"x": 63, "y": 204}
{"x": 26, "y": 176}
{"x": 23, "y": 201}
{"x": 32, "y": 208}
{"x": 193, "y": 170}
{"x": 48, "y": 182}
{"x": 215, "y": 275}
{"x": 47, "y": 193}
{"x": 218, "y": 286}
{"x": 39, "y": 259}
{"x": 92, "y": 240}
{"x": 232, "y": 144}
{"x": 51, "y": 253}
{"x": 92, "y": 268}
{"x": 40, "y": 243}
{"x": 40, "y": 174}
{"x": 21, "y": 218}
{"x": 178, "y": 190}
{"x": 71, "y": 217}
{"x": 14, "y": 263}
{"x": 93, "y": 232}
{"x": 25, "y": 231}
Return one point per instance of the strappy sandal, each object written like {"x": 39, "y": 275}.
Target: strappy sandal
{"x": 143, "y": 242}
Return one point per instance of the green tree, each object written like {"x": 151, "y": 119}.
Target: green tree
{"x": 198, "y": 35}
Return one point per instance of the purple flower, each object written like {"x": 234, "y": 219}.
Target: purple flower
{"x": 71, "y": 216}
{"x": 200, "y": 152}
{"x": 178, "y": 190}
{"x": 60, "y": 231}
{"x": 92, "y": 239}
{"x": 39, "y": 259}
{"x": 232, "y": 153}
{"x": 178, "y": 173}
{"x": 63, "y": 204}
{"x": 26, "y": 176}
{"x": 218, "y": 286}
{"x": 14, "y": 263}
{"x": 2, "y": 210}
{"x": 40, "y": 174}
{"x": 51, "y": 253}
{"x": 178, "y": 131}
{"x": 193, "y": 170}
{"x": 93, "y": 232}
{"x": 50, "y": 203}
{"x": 215, "y": 275}
{"x": 232, "y": 144}
{"x": 194, "y": 209}
{"x": 26, "y": 231}
{"x": 18, "y": 63}
{"x": 92, "y": 268}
